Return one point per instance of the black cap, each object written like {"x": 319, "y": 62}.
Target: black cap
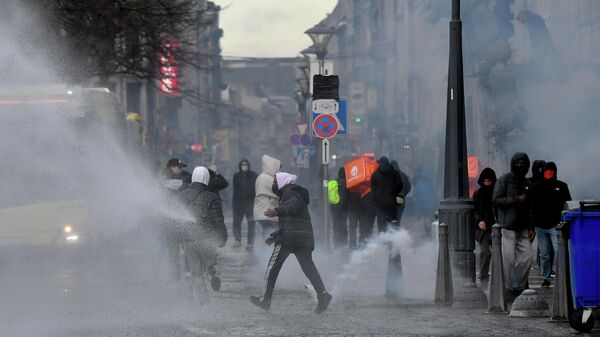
{"x": 175, "y": 162}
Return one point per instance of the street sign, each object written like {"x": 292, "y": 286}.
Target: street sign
{"x": 325, "y": 152}
{"x": 341, "y": 116}
{"x": 302, "y": 156}
{"x": 325, "y": 126}
{"x": 325, "y": 106}
{"x": 301, "y": 128}
{"x": 305, "y": 140}
{"x": 295, "y": 140}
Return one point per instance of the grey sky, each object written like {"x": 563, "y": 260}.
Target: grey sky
{"x": 269, "y": 28}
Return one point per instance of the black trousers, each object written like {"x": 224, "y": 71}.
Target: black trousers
{"x": 385, "y": 215}
{"x": 239, "y": 211}
{"x": 340, "y": 226}
{"x": 304, "y": 256}
{"x": 364, "y": 221}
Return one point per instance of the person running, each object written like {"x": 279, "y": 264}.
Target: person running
{"x": 265, "y": 198}
{"x": 295, "y": 236}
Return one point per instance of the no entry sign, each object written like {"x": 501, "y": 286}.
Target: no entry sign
{"x": 325, "y": 126}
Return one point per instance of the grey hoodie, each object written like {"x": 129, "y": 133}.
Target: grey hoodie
{"x": 265, "y": 198}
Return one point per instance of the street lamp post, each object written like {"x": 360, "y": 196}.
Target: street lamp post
{"x": 456, "y": 209}
{"x": 321, "y": 35}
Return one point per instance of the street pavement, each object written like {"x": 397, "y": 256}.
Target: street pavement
{"x": 122, "y": 289}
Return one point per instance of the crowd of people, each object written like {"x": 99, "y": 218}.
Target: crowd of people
{"x": 526, "y": 209}
{"x": 273, "y": 199}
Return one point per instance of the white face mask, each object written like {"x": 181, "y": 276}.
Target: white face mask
{"x": 245, "y": 168}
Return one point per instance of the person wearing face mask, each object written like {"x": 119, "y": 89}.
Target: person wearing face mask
{"x": 244, "y": 192}
{"x": 512, "y": 198}
{"x": 294, "y": 236}
{"x": 548, "y": 199}
{"x": 484, "y": 219}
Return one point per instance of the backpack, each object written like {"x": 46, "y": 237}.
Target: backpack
{"x": 333, "y": 192}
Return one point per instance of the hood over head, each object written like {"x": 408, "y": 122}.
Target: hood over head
{"x": 384, "y": 165}
{"x": 201, "y": 175}
{"x": 550, "y": 166}
{"x": 536, "y": 168}
{"x": 270, "y": 165}
{"x": 244, "y": 162}
{"x": 284, "y": 179}
{"x": 395, "y": 166}
{"x": 487, "y": 173}
{"x": 342, "y": 173}
{"x": 520, "y": 171}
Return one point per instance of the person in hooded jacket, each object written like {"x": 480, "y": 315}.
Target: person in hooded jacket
{"x": 295, "y": 236}
{"x": 406, "y": 187}
{"x": 512, "y": 197}
{"x": 536, "y": 175}
{"x": 485, "y": 218}
{"x": 548, "y": 198}
{"x": 536, "y": 171}
{"x": 339, "y": 212}
{"x": 205, "y": 234}
{"x": 265, "y": 198}
{"x": 385, "y": 185}
{"x": 244, "y": 192}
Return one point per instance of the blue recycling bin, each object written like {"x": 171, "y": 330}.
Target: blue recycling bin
{"x": 583, "y": 231}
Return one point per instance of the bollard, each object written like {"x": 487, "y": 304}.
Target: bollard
{"x": 497, "y": 304}
{"x": 530, "y": 304}
{"x": 470, "y": 296}
{"x": 393, "y": 287}
{"x": 443, "y": 282}
{"x": 560, "y": 308}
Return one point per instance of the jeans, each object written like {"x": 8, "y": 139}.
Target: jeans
{"x": 239, "y": 211}
{"x": 516, "y": 258}
{"x": 304, "y": 257}
{"x": 548, "y": 244}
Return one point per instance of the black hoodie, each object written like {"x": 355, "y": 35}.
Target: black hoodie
{"x": 548, "y": 199}
{"x": 482, "y": 200}
{"x": 244, "y": 189}
{"x": 536, "y": 171}
{"x": 512, "y": 214}
{"x": 386, "y": 184}
{"x": 406, "y": 186}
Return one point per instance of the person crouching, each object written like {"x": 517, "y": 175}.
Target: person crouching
{"x": 295, "y": 236}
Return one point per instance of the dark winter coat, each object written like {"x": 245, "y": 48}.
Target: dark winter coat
{"x": 385, "y": 184}
{"x": 512, "y": 214}
{"x": 184, "y": 176}
{"x": 482, "y": 200}
{"x": 295, "y": 228}
{"x": 244, "y": 189}
{"x": 209, "y": 226}
{"x": 406, "y": 186}
{"x": 548, "y": 199}
{"x": 217, "y": 183}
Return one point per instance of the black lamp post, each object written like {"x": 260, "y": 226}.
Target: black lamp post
{"x": 456, "y": 209}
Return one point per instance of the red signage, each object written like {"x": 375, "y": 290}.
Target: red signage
{"x": 168, "y": 83}
{"x": 325, "y": 126}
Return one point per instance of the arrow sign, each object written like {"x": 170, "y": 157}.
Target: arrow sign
{"x": 325, "y": 152}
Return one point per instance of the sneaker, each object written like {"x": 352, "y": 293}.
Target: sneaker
{"x": 236, "y": 245}
{"x": 324, "y": 301}
{"x": 553, "y": 274}
{"x": 260, "y": 303}
{"x": 546, "y": 284}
